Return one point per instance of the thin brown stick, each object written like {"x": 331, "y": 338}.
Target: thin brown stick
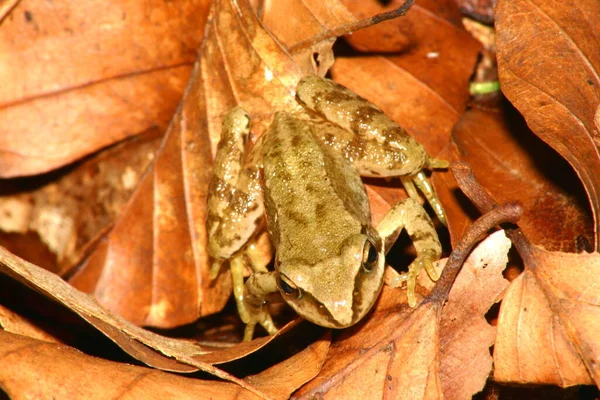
{"x": 510, "y": 212}
{"x": 471, "y": 188}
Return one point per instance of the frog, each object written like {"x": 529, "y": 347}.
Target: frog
{"x": 301, "y": 181}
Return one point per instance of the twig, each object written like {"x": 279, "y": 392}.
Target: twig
{"x": 510, "y": 212}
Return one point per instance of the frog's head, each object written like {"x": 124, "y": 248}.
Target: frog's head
{"x": 338, "y": 291}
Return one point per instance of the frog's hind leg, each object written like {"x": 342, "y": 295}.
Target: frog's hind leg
{"x": 410, "y": 215}
{"x": 235, "y": 206}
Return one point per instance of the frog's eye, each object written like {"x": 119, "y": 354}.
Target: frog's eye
{"x": 287, "y": 287}
{"x": 370, "y": 257}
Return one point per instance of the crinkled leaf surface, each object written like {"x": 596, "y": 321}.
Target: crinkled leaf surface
{"x": 78, "y": 76}
{"x": 41, "y": 370}
{"x": 549, "y": 68}
{"x": 512, "y": 164}
{"x": 549, "y": 321}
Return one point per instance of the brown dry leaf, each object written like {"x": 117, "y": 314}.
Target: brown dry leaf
{"x": 512, "y": 164}
{"x": 53, "y": 219}
{"x": 549, "y": 68}
{"x": 78, "y": 76}
{"x": 428, "y": 352}
{"x": 281, "y": 380}
{"x": 34, "y": 369}
{"x": 549, "y": 322}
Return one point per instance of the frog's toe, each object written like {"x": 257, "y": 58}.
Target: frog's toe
{"x": 436, "y": 163}
{"x": 430, "y": 268}
{"x": 215, "y": 268}
{"x": 261, "y": 317}
{"x": 394, "y": 279}
{"x": 421, "y": 262}
{"x": 411, "y": 283}
{"x": 420, "y": 180}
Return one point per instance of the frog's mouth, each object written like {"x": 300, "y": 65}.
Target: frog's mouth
{"x": 335, "y": 314}
{"x": 314, "y": 311}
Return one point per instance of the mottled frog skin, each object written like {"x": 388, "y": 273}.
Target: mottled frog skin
{"x": 304, "y": 174}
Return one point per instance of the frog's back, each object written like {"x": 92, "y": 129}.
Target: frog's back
{"x": 314, "y": 197}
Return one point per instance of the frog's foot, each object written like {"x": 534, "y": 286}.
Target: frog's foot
{"x": 252, "y": 317}
{"x": 252, "y": 310}
{"x": 394, "y": 279}
{"x": 250, "y": 296}
{"x": 420, "y": 181}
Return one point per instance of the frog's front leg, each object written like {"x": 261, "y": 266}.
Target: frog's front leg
{"x": 409, "y": 214}
{"x": 235, "y": 212}
{"x": 375, "y": 144}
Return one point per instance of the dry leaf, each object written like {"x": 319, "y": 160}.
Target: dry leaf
{"x": 549, "y": 68}
{"x": 549, "y": 322}
{"x": 426, "y": 353}
{"x": 80, "y": 76}
{"x": 150, "y": 283}
{"x": 512, "y": 164}
{"x": 281, "y": 380}
{"x": 34, "y": 369}
{"x": 73, "y": 207}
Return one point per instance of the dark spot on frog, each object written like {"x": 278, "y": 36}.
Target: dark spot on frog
{"x": 296, "y": 141}
{"x": 420, "y": 235}
{"x": 284, "y": 175}
{"x": 589, "y": 82}
{"x": 356, "y": 148}
{"x": 211, "y": 219}
{"x": 330, "y": 138}
{"x": 28, "y": 16}
{"x": 338, "y": 97}
{"x": 296, "y": 217}
{"x": 363, "y": 116}
{"x": 396, "y": 132}
{"x": 312, "y": 188}
{"x": 321, "y": 211}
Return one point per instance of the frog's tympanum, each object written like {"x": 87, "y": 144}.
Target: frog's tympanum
{"x": 303, "y": 174}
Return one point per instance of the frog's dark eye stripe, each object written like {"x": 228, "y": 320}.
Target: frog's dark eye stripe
{"x": 370, "y": 256}
{"x": 287, "y": 287}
